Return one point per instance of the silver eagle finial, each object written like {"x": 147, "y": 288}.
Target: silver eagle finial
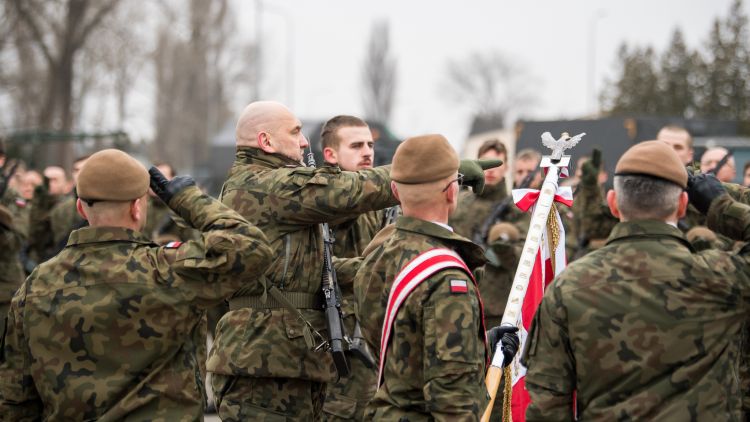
{"x": 559, "y": 145}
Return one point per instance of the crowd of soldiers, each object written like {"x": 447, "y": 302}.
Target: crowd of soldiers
{"x": 124, "y": 264}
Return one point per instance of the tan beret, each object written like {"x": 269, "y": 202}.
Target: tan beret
{"x": 653, "y": 158}
{"x": 424, "y": 159}
{"x": 504, "y": 231}
{"x": 112, "y": 175}
{"x": 700, "y": 232}
{"x": 379, "y": 239}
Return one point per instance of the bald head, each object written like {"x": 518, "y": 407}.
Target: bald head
{"x": 711, "y": 158}
{"x": 272, "y": 127}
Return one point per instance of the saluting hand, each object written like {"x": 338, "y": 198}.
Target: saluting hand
{"x": 473, "y": 171}
{"x": 166, "y": 189}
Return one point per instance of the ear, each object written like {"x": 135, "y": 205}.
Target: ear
{"x": 330, "y": 156}
{"x": 81, "y": 211}
{"x": 264, "y": 142}
{"x": 682, "y": 205}
{"x": 612, "y": 203}
{"x": 135, "y": 209}
{"x": 451, "y": 195}
{"x": 394, "y": 189}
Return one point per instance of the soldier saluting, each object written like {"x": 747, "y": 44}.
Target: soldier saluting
{"x": 104, "y": 330}
{"x": 262, "y": 359}
{"x": 645, "y": 327}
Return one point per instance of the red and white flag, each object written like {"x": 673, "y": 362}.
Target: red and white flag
{"x": 541, "y": 275}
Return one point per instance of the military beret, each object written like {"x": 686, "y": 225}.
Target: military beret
{"x": 700, "y": 232}
{"x": 504, "y": 231}
{"x": 653, "y": 158}
{"x": 424, "y": 159}
{"x": 112, "y": 175}
{"x": 379, "y": 239}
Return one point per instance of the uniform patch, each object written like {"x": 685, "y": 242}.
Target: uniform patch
{"x": 173, "y": 245}
{"x": 459, "y": 286}
{"x": 20, "y": 202}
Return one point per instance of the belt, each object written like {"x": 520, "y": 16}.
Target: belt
{"x": 298, "y": 300}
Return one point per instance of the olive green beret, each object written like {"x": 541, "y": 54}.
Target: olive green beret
{"x": 112, "y": 175}
{"x": 424, "y": 159}
{"x": 653, "y": 158}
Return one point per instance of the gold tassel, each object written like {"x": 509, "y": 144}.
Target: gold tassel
{"x": 553, "y": 234}
{"x": 507, "y": 394}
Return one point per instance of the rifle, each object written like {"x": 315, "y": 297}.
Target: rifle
{"x": 498, "y": 213}
{"x": 721, "y": 163}
{"x": 332, "y": 296}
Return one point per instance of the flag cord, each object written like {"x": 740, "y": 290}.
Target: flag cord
{"x": 507, "y": 394}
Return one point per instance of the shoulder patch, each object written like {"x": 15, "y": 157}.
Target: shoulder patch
{"x": 20, "y": 202}
{"x": 459, "y": 286}
{"x": 173, "y": 245}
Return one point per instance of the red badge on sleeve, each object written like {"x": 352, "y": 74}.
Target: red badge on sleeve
{"x": 173, "y": 245}
{"x": 459, "y": 286}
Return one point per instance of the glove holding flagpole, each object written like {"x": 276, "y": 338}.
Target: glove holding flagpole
{"x": 545, "y": 227}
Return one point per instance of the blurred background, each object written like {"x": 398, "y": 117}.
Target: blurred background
{"x": 165, "y": 79}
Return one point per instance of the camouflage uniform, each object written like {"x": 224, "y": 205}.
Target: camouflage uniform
{"x": 644, "y": 328}
{"x": 260, "y": 355}
{"x": 474, "y": 209}
{"x": 64, "y": 218}
{"x": 163, "y": 225}
{"x": 104, "y": 329}
{"x": 41, "y": 237}
{"x": 435, "y": 363}
{"x": 11, "y": 241}
{"x": 347, "y": 398}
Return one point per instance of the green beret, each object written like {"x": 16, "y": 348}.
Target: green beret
{"x": 112, "y": 175}
{"x": 424, "y": 159}
{"x": 653, "y": 158}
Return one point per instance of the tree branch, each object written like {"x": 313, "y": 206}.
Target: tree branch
{"x": 93, "y": 23}
{"x": 35, "y": 31}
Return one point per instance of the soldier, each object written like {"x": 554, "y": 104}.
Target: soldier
{"x": 644, "y": 328}
{"x": 103, "y": 331}
{"x": 64, "y": 217}
{"x": 711, "y": 157}
{"x": 433, "y": 354}
{"x": 473, "y": 209}
{"x": 13, "y": 234}
{"x": 347, "y": 143}
{"x": 680, "y": 140}
{"x": 262, "y": 360}
{"x": 50, "y": 193}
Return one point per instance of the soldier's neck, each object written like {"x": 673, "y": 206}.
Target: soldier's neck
{"x": 434, "y": 214}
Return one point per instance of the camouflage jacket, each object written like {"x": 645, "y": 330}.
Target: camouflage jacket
{"x": 496, "y": 277}
{"x": 64, "y": 219}
{"x": 41, "y": 237}
{"x": 288, "y": 201}
{"x": 436, "y": 361}
{"x": 473, "y": 209}
{"x": 163, "y": 225}
{"x": 105, "y": 329}
{"x": 11, "y": 242}
{"x": 644, "y": 328}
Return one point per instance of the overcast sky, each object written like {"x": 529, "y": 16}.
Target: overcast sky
{"x": 550, "y": 39}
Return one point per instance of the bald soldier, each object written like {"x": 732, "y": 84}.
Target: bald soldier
{"x": 645, "y": 328}
{"x": 105, "y": 329}
{"x": 418, "y": 301}
{"x": 263, "y": 359}
{"x": 711, "y": 158}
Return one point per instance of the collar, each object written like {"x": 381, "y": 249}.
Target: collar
{"x": 443, "y": 225}
{"x": 472, "y": 253}
{"x": 91, "y": 235}
{"x": 494, "y": 192}
{"x": 251, "y": 155}
{"x": 647, "y": 229}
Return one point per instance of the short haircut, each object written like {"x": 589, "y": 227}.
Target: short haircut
{"x": 677, "y": 128}
{"x": 328, "y": 134}
{"x": 529, "y": 154}
{"x": 164, "y": 163}
{"x": 492, "y": 145}
{"x": 641, "y": 197}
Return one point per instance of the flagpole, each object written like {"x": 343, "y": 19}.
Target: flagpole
{"x": 538, "y": 224}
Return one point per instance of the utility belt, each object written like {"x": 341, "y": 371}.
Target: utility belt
{"x": 295, "y": 300}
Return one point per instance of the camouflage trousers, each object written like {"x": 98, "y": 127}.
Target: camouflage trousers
{"x": 346, "y": 400}
{"x": 267, "y": 399}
